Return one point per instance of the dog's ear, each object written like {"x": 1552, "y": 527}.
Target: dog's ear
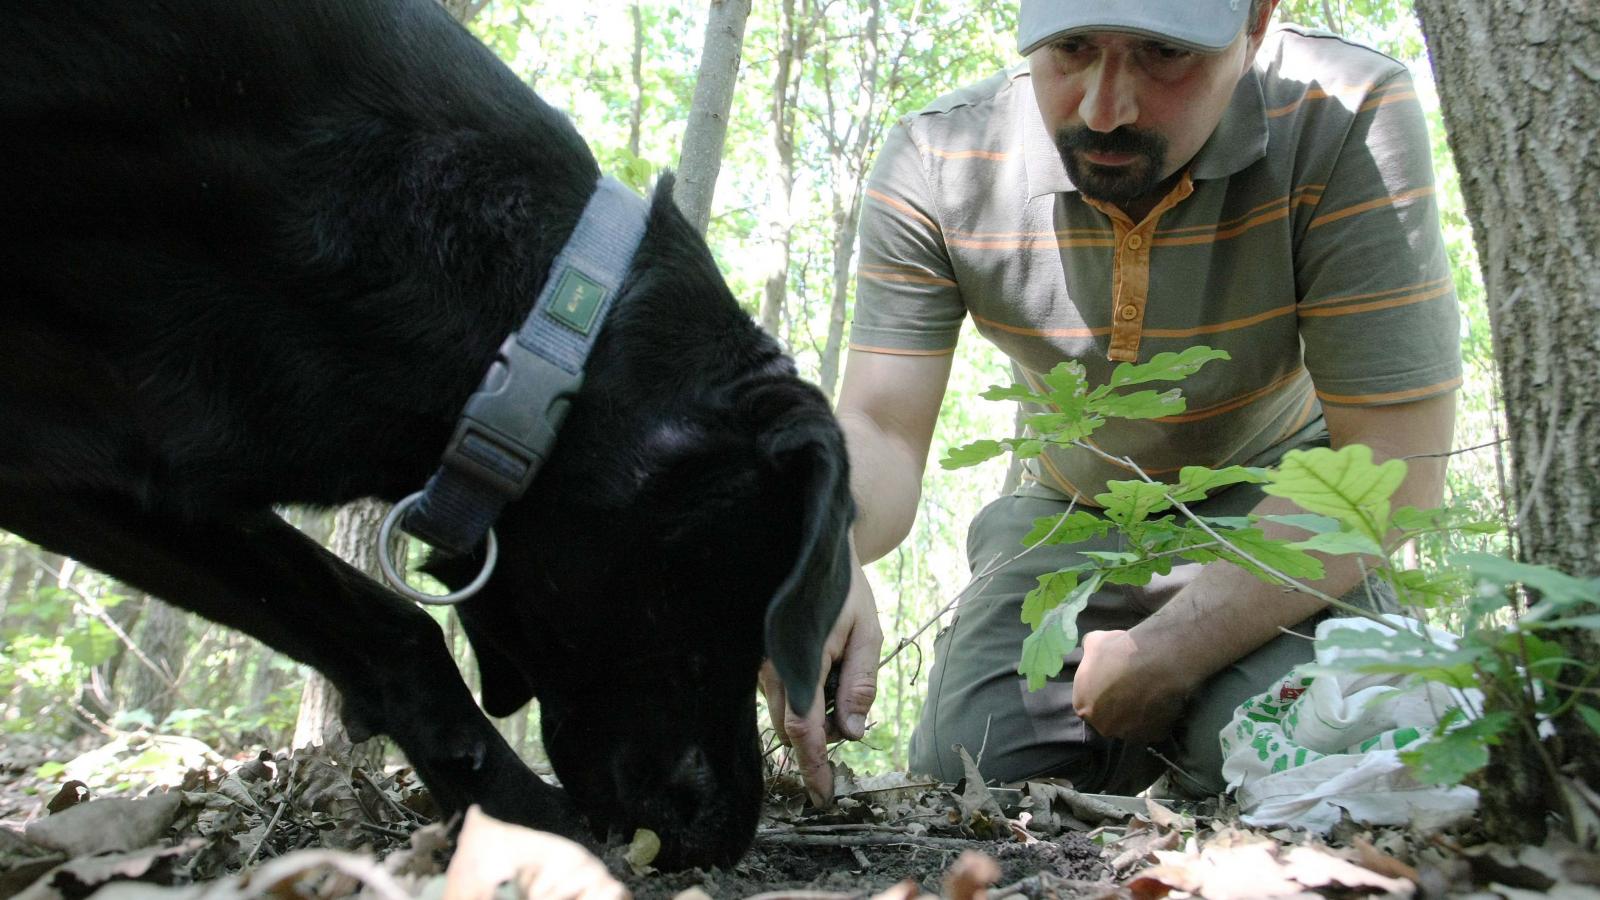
{"x": 808, "y": 449}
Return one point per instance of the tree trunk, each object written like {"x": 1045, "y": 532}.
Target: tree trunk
{"x": 793, "y": 38}
{"x": 846, "y": 222}
{"x": 163, "y": 638}
{"x": 636, "y": 115}
{"x": 701, "y": 157}
{"x": 1519, "y": 85}
{"x": 355, "y": 540}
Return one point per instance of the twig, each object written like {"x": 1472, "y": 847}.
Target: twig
{"x": 95, "y": 609}
{"x": 871, "y": 840}
{"x": 1483, "y": 446}
{"x": 1332, "y": 601}
{"x": 985, "y": 572}
{"x": 265, "y": 833}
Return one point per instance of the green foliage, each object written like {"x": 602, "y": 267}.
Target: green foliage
{"x": 1347, "y": 498}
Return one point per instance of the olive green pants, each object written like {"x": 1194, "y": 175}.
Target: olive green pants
{"x": 977, "y": 699}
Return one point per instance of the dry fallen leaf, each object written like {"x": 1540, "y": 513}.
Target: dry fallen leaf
{"x": 114, "y": 825}
{"x": 543, "y": 866}
{"x": 971, "y": 876}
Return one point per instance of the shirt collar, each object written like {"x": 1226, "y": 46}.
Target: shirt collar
{"x": 1239, "y": 140}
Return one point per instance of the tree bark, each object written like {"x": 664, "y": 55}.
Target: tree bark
{"x": 163, "y": 637}
{"x": 793, "y": 41}
{"x": 355, "y": 540}
{"x": 701, "y": 157}
{"x": 636, "y": 115}
{"x": 1519, "y": 85}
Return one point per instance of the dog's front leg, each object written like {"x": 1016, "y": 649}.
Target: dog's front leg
{"x": 257, "y": 574}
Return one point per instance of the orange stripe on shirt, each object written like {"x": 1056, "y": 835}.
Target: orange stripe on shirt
{"x": 1370, "y": 205}
{"x": 898, "y": 351}
{"x": 1230, "y": 233}
{"x": 1039, "y": 240}
{"x": 892, "y": 203}
{"x": 1296, "y": 198}
{"x": 1419, "y": 286}
{"x": 896, "y": 278}
{"x": 1041, "y": 332}
{"x": 1220, "y": 327}
{"x": 1324, "y": 312}
{"x": 1385, "y": 100}
{"x": 1337, "y": 90}
{"x": 1392, "y": 396}
{"x": 1230, "y": 405}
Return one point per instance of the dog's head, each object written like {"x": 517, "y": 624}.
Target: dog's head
{"x": 691, "y": 520}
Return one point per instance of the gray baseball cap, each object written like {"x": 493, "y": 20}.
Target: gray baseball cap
{"x": 1203, "y": 25}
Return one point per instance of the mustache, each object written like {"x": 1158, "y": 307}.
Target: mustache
{"x": 1082, "y": 138}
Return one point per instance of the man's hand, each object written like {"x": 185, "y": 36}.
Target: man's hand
{"x": 853, "y": 646}
{"x": 1124, "y": 693}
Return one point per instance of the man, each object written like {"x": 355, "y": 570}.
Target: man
{"x": 1161, "y": 173}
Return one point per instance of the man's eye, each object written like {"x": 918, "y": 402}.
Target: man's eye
{"x": 1068, "y": 46}
{"x": 1169, "y": 54}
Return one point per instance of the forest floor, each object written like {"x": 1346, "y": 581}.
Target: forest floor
{"x": 142, "y": 817}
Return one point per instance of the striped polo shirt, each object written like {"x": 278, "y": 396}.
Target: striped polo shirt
{"x": 1303, "y": 239}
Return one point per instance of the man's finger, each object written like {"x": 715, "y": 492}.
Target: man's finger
{"x": 858, "y": 681}
{"x": 809, "y": 738}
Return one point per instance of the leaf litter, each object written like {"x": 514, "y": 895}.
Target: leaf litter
{"x": 314, "y": 826}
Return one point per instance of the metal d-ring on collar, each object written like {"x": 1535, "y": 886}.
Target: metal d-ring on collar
{"x": 508, "y": 428}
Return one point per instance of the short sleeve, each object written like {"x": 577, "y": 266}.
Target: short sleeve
{"x": 907, "y": 301}
{"x": 1377, "y": 303}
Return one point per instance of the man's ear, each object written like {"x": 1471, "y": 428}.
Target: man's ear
{"x": 808, "y": 450}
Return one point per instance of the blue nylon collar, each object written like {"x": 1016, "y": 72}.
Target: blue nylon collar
{"x": 509, "y": 426}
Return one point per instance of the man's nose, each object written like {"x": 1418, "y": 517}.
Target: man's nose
{"x": 1109, "y": 100}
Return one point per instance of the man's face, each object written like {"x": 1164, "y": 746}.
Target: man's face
{"x": 1126, "y": 111}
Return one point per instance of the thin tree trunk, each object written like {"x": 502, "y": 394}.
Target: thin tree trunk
{"x": 793, "y": 37}
{"x": 355, "y": 540}
{"x": 846, "y": 221}
{"x": 1519, "y": 84}
{"x": 163, "y": 635}
{"x": 701, "y": 157}
{"x": 636, "y": 115}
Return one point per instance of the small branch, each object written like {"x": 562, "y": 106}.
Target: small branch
{"x": 871, "y": 840}
{"x": 99, "y": 612}
{"x": 983, "y": 575}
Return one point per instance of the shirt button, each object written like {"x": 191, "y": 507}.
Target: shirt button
{"x": 1135, "y": 242}
{"x": 1130, "y": 312}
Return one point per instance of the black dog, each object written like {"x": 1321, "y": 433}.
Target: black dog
{"x": 258, "y": 252}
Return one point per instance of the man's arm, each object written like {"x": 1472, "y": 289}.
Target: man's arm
{"x": 888, "y": 406}
{"x": 1132, "y": 684}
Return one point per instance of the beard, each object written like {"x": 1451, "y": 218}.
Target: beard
{"x": 1112, "y": 184}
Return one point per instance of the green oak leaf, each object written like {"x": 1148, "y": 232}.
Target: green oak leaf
{"x": 1044, "y": 651}
{"x": 1449, "y": 758}
{"x": 971, "y": 454}
{"x": 1556, "y": 588}
{"x": 1018, "y": 392}
{"x": 1306, "y": 522}
{"x": 1345, "y": 484}
{"x": 1339, "y": 543}
{"x": 1409, "y": 518}
{"x": 1128, "y": 502}
{"x": 1141, "y": 404}
{"x": 1197, "y": 482}
{"x": 1053, "y": 588}
{"x": 1429, "y": 589}
{"x": 1067, "y": 528}
{"x": 1165, "y": 366}
{"x": 1296, "y": 564}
